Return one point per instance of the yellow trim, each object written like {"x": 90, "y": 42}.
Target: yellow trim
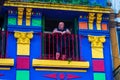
{"x": 58, "y": 63}
{"x": 6, "y": 62}
{"x": 99, "y": 19}
{"x": 20, "y": 15}
{"x": 91, "y": 20}
{"x": 28, "y": 16}
{"x": 60, "y": 70}
{"x": 2, "y": 68}
{"x": 58, "y": 6}
{"x": 97, "y": 45}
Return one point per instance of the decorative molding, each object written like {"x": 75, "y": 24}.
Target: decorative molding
{"x": 96, "y": 41}
{"x": 97, "y": 45}
{"x": 98, "y": 22}
{"x": 59, "y": 64}
{"x": 20, "y": 15}
{"x": 91, "y": 20}
{"x": 23, "y": 42}
{"x": 28, "y": 16}
{"x": 61, "y": 76}
{"x": 58, "y": 6}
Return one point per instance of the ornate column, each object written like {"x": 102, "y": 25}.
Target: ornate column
{"x": 99, "y": 19}
{"x": 20, "y": 15}
{"x": 97, "y": 45}
{"x": 91, "y": 20}
{"x": 28, "y": 16}
{"x": 23, "y": 42}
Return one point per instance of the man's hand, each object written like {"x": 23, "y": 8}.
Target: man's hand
{"x": 56, "y": 31}
{"x": 64, "y": 32}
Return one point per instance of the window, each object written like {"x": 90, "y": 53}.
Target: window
{"x": 67, "y": 44}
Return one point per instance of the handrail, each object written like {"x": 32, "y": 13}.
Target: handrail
{"x": 116, "y": 71}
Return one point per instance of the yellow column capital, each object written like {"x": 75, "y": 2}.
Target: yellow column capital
{"x": 96, "y": 41}
{"x": 23, "y": 42}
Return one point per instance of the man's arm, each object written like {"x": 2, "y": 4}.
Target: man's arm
{"x": 67, "y": 31}
{"x": 56, "y": 31}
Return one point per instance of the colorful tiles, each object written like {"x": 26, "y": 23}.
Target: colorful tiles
{"x": 99, "y": 76}
{"x": 22, "y": 75}
{"x": 98, "y": 65}
{"x": 83, "y": 25}
{"x": 23, "y": 63}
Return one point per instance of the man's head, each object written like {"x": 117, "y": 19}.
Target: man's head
{"x": 61, "y": 25}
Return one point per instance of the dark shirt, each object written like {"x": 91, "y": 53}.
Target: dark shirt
{"x": 61, "y": 29}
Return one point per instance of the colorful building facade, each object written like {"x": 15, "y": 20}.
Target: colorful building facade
{"x": 28, "y": 44}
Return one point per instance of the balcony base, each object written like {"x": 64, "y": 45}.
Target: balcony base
{"x": 59, "y": 64}
{"x": 6, "y": 63}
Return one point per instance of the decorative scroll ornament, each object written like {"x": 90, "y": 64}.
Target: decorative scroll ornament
{"x": 97, "y": 41}
{"x": 91, "y": 20}
{"x": 99, "y": 19}
{"x": 28, "y": 16}
{"x": 20, "y": 15}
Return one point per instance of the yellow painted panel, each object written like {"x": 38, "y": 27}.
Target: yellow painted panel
{"x": 6, "y": 62}
{"x": 59, "y": 63}
{"x": 98, "y": 27}
{"x": 60, "y": 70}
{"x": 90, "y": 26}
{"x": 97, "y": 53}
{"x": 23, "y": 49}
{"x": 19, "y": 21}
{"x": 27, "y": 22}
{"x": 2, "y": 68}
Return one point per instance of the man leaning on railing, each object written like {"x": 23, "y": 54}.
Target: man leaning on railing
{"x": 60, "y": 30}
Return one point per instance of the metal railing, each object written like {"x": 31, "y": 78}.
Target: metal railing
{"x": 116, "y": 73}
{"x": 66, "y": 44}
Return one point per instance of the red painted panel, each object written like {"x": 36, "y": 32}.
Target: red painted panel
{"x": 51, "y": 76}
{"x": 23, "y": 63}
{"x": 98, "y": 65}
{"x": 71, "y": 76}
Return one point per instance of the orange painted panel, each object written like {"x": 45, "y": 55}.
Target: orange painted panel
{"x": 104, "y": 27}
{"x": 83, "y": 25}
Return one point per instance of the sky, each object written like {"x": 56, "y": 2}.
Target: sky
{"x": 115, "y": 5}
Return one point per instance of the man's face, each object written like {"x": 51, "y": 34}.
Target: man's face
{"x": 61, "y": 25}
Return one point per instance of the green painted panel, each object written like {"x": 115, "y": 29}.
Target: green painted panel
{"x": 11, "y": 21}
{"x": 22, "y": 75}
{"x": 36, "y": 22}
{"x": 99, "y": 76}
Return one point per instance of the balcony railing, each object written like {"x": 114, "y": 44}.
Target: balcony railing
{"x": 66, "y": 44}
{"x": 3, "y": 36}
